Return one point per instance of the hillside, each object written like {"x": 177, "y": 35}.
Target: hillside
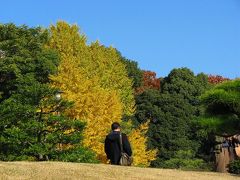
{"x": 62, "y": 170}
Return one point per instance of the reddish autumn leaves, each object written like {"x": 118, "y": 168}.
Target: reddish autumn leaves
{"x": 216, "y": 79}
{"x": 150, "y": 81}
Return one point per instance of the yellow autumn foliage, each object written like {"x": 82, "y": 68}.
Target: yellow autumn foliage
{"x": 96, "y": 106}
{"x": 110, "y": 70}
{"x": 138, "y": 139}
{"x": 95, "y": 79}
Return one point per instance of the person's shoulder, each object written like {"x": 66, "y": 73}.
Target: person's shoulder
{"x": 111, "y": 135}
{"x": 107, "y": 136}
{"x": 124, "y": 135}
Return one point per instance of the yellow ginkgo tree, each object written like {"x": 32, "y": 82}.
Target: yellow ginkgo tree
{"x": 141, "y": 155}
{"x": 94, "y": 78}
{"x": 97, "y": 106}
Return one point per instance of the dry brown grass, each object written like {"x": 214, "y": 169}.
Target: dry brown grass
{"x": 61, "y": 170}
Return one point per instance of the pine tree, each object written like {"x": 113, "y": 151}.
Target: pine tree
{"x": 30, "y": 127}
{"x": 222, "y": 108}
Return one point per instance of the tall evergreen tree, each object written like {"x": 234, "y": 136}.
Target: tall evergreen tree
{"x": 33, "y": 121}
{"x": 222, "y": 108}
{"x": 172, "y": 110}
{"x": 134, "y": 72}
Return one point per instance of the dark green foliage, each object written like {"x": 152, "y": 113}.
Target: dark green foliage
{"x": 172, "y": 111}
{"x": 134, "y": 72}
{"x": 185, "y": 160}
{"x": 170, "y": 127}
{"x": 222, "y": 104}
{"x": 234, "y": 167}
{"x": 219, "y": 124}
{"x": 24, "y": 55}
{"x": 32, "y": 121}
{"x": 224, "y": 98}
{"x": 185, "y": 84}
{"x": 222, "y": 110}
{"x": 147, "y": 106}
{"x": 76, "y": 154}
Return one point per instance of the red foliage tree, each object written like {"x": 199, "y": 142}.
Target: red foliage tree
{"x": 150, "y": 81}
{"x": 216, "y": 79}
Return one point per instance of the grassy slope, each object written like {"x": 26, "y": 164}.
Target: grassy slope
{"x": 61, "y": 170}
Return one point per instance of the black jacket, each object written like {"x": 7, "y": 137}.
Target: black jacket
{"x": 112, "y": 146}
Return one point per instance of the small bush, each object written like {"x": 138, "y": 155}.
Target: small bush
{"x": 16, "y": 157}
{"x": 234, "y": 167}
{"x": 185, "y": 160}
{"x": 78, "y": 154}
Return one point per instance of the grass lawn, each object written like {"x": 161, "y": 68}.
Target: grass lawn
{"x": 63, "y": 170}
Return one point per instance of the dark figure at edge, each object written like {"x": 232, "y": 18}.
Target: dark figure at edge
{"x": 112, "y": 144}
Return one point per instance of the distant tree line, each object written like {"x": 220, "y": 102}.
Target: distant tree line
{"x": 167, "y": 119}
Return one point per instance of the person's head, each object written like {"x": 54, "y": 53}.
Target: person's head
{"x": 116, "y": 126}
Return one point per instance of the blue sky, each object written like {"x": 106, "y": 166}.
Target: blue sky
{"x": 203, "y": 35}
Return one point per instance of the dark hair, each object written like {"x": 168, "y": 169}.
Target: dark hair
{"x": 115, "y": 125}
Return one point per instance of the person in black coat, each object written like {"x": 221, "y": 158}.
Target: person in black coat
{"x": 112, "y": 144}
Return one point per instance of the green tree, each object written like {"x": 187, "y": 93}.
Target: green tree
{"x": 183, "y": 83}
{"x": 23, "y": 55}
{"x": 222, "y": 108}
{"x": 33, "y": 124}
{"x": 134, "y": 72}
{"x": 172, "y": 111}
{"x": 221, "y": 115}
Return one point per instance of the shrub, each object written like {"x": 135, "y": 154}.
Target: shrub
{"x": 234, "y": 167}
{"x": 16, "y": 157}
{"x": 185, "y": 160}
{"x": 78, "y": 154}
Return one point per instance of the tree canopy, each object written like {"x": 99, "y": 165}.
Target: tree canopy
{"x": 95, "y": 78}
{"x": 33, "y": 121}
{"x": 169, "y": 120}
{"x": 172, "y": 111}
{"x": 222, "y": 108}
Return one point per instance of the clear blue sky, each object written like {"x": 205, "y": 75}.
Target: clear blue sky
{"x": 203, "y": 35}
